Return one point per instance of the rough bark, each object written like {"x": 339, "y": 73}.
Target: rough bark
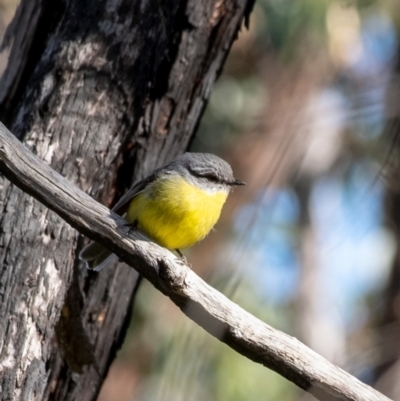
{"x": 206, "y": 306}
{"x": 103, "y": 91}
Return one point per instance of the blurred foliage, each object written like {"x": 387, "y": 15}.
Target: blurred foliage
{"x": 290, "y": 21}
{"x": 233, "y": 108}
{"x": 189, "y": 364}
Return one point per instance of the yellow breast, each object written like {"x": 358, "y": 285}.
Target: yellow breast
{"x": 175, "y": 213}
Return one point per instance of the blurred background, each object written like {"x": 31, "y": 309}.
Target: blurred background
{"x": 307, "y": 112}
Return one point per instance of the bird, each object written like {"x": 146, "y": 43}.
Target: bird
{"x": 176, "y": 206}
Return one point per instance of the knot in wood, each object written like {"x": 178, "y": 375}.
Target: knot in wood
{"x": 173, "y": 274}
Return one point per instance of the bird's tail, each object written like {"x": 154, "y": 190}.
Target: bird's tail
{"x": 96, "y": 256}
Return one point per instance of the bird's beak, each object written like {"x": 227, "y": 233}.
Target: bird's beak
{"x": 236, "y": 182}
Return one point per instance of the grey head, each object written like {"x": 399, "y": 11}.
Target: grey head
{"x": 206, "y": 170}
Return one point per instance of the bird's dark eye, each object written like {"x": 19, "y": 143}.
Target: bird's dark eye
{"x": 211, "y": 177}
{"x": 208, "y": 175}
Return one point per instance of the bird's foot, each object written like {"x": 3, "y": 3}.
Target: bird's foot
{"x": 182, "y": 257}
{"x": 131, "y": 226}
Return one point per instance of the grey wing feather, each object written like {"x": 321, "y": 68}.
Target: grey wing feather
{"x": 97, "y": 256}
{"x": 122, "y": 205}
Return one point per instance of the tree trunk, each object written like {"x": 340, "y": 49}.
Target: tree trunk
{"x": 103, "y": 91}
{"x": 387, "y": 369}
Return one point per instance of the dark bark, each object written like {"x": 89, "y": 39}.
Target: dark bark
{"x": 387, "y": 365}
{"x": 103, "y": 91}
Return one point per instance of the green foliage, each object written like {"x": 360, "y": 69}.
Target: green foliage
{"x": 289, "y": 22}
{"x": 233, "y": 108}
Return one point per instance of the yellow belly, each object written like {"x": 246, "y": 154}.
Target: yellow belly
{"x": 174, "y": 213}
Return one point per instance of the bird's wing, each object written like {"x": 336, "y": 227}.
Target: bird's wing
{"x": 122, "y": 205}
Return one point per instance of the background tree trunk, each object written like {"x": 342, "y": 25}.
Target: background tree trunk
{"x": 103, "y": 91}
{"x": 387, "y": 369}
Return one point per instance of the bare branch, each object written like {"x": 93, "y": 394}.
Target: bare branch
{"x": 210, "y": 309}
